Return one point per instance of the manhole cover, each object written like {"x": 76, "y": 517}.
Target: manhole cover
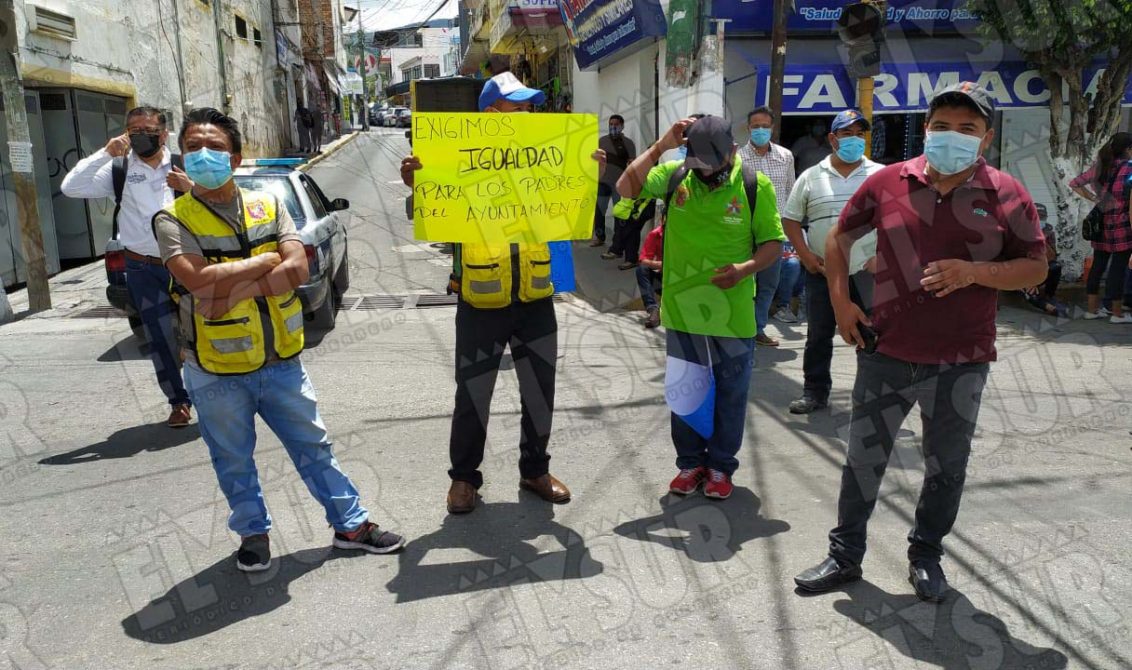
{"x": 436, "y": 300}
{"x": 374, "y": 302}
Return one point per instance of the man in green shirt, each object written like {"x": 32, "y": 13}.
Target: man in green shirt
{"x": 712, "y": 248}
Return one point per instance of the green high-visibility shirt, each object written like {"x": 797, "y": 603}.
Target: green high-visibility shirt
{"x": 708, "y": 229}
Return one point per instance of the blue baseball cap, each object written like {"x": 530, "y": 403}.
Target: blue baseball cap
{"x": 508, "y": 87}
{"x": 848, "y": 118}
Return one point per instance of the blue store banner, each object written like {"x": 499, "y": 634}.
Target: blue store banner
{"x": 908, "y": 87}
{"x": 600, "y": 28}
{"x": 820, "y": 16}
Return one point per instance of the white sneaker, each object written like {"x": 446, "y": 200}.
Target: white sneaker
{"x": 1099, "y": 314}
{"x": 1103, "y": 311}
{"x": 785, "y": 315}
{"x": 1125, "y": 318}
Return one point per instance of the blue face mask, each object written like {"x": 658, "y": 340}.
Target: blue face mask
{"x": 615, "y": 130}
{"x": 850, "y": 149}
{"x": 760, "y": 137}
{"x": 211, "y": 169}
{"x": 950, "y": 152}
{"x": 683, "y": 152}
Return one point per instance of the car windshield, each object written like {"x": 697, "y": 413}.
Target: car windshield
{"x": 280, "y": 187}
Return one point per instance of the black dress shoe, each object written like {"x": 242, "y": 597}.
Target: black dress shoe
{"x": 827, "y": 575}
{"x": 928, "y": 580}
{"x": 807, "y": 404}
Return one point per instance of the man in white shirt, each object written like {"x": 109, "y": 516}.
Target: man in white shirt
{"x": 150, "y": 182}
{"x": 777, "y": 163}
{"x": 819, "y": 195}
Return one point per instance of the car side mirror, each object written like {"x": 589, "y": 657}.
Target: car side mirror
{"x": 339, "y": 204}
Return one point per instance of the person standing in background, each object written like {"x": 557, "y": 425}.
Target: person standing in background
{"x": 777, "y": 163}
{"x": 318, "y": 125}
{"x": 819, "y": 197}
{"x": 1106, "y": 184}
{"x": 304, "y": 121}
{"x": 619, "y": 151}
{"x": 149, "y": 180}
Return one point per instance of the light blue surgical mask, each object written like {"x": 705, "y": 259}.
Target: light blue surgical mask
{"x": 950, "y": 152}
{"x": 682, "y": 152}
{"x": 850, "y": 149}
{"x": 760, "y": 137}
{"x": 211, "y": 169}
{"x": 616, "y": 130}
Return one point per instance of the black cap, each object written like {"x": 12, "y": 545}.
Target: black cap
{"x": 970, "y": 90}
{"x": 709, "y": 143}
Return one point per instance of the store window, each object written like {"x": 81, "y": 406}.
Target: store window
{"x": 431, "y": 71}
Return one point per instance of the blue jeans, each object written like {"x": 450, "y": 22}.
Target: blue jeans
{"x": 791, "y": 281}
{"x": 149, "y": 291}
{"x": 648, "y": 282}
{"x": 283, "y": 395}
{"x": 731, "y": 364}
{"x": 885, "y": 390}
{"x": 766, "y": 284}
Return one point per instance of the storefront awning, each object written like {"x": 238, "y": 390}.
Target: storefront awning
{"x": 332, "y": 75}
{"x": 524, "y": 22}
{"x": 401, "y": 88}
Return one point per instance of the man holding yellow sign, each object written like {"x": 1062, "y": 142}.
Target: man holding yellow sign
{"x": 502, "y": 186}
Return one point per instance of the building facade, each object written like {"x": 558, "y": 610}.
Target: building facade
{"x": 85, "y": 63}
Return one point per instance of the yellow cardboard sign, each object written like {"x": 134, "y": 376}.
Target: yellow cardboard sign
{"x": 495, "y": 178}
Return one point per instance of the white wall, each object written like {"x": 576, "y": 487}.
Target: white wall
{"x": 625, "y": 87}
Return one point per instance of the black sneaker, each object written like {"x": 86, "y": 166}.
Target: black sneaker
{"x": 254, "y": 554}
{"x": 369, "y": 537}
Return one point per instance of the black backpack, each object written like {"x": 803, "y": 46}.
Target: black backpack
{"x": 750, "y": 185}
{"x": 120, "y": 170}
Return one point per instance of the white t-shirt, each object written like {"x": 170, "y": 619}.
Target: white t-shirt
{"x": 819, "y": 195}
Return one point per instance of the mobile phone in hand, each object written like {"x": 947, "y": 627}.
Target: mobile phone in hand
{"x": 870, "y": 338}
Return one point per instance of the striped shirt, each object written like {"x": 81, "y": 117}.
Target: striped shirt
{"x": 777, "y": 164}
{"x": 819, "y": 195}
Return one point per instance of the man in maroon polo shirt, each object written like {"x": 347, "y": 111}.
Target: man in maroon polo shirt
{"x": 951, "y": 232}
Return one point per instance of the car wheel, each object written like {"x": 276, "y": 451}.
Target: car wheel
{"x": 137, "y": 327}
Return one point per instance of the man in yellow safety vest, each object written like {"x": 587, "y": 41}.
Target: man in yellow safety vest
{"x": 505, "y": 300}
{"x": 236, "y": 260}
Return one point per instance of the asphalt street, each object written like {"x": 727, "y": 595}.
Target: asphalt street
{"x": 114, "y": 551}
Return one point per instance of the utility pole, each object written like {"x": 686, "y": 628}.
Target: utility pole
{"x": 23, "y": 170}
{"x": 362, "y": 71}
{"x": 782, "y": 8}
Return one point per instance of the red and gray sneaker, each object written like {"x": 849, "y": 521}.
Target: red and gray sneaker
{"x": 368, "y": 537}
{"x": 254, "y": 554}
{"x": 688, "y": 481}
{"x": 718, "y": 485}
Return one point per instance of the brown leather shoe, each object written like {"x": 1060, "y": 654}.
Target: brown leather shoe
{"x": 461, "y": 497}
{"x": 180, "y": 416}
{"x": 547, "y": 487}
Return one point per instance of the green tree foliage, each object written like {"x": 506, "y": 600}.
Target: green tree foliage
{"x": 1062, "y": 38}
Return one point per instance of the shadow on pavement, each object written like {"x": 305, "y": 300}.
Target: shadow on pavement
{"x": 128, "y": 442}
{"x": 706, "y": 530}
{"x": 502, "y": 533}
{"x": 953, "y": 634}
{"x": 221, "y": 595}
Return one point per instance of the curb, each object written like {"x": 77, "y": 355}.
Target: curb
{"x": 327, "y": 154}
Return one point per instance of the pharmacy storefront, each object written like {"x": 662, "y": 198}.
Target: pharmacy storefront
{"x": 930, "y": 44}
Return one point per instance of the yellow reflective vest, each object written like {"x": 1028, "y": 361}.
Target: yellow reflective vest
{"x": 489, "y": 278}
{"x": 239, "y": 342}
